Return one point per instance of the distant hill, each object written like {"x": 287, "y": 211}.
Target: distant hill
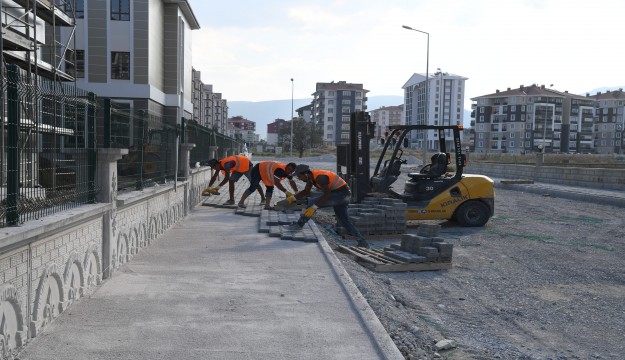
{"x": 265, "y": 112}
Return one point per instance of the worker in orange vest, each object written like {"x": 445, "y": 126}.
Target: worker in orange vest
{"x": 233, "y": 167}
{"x": 335, "y": 193}
{"x": 270, "y": 173}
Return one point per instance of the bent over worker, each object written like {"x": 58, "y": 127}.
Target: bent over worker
{"x": 271, "y": 173}
{"x": 335, "y": 193}
{"x": 233, "y": 167}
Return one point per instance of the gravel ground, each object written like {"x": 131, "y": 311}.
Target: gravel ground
{"x": 544, "y": 279}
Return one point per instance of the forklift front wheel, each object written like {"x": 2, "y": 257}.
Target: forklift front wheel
{"x": 472, "y": 213}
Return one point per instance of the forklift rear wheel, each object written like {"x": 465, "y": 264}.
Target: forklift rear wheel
{"x": 472, "y": 214}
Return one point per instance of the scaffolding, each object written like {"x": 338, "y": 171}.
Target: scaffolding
{"x": 47, "y": 143}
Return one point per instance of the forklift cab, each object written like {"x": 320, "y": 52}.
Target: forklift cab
{"x": 440, "y": 189}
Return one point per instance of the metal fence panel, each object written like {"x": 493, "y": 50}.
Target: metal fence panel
{"x": 48, "y": 160}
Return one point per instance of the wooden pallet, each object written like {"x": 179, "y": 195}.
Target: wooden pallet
{"x": 375, "y": 259}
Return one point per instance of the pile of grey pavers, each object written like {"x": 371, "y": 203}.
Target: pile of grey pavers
{"x": 378, "y": 216}
{"x": 425, "y": 246}
{"x": 274, "y": 223}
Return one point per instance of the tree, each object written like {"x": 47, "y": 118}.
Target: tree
{"x": 305, "y": 135}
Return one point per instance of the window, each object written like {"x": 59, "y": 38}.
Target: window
{"x": 513, "y": 108}
{"x": 480, "y": 135}
{"x": 346, "y": 110}
{"x": 481, "y": 127}
{"x": 330, "y": 110}
{"x": 120, "y": 65}
{"x": 347, "y": 93}
{"x": 345, "y": 127}
{"x": 78, "y": 11}
{"x": 120, "y": 10}
{"x": 346, "y": 119}
{"x": 330, "y": 102}
{"x": 511, "y": 143}
{"x": 511, "y": 126}
{"x": 511, "y": 136}
{"x": 480, "y": 144}
{"x": 330, "y": 119}
{"x": 330, "y": 93}
{"x": 346, "y": 101}
{"x": 75, "y": 66}
{"x": 512, "y": 118}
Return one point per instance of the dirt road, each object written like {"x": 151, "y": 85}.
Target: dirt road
{"x": 544, "y": 279}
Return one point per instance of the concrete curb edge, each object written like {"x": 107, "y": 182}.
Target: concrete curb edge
{"x": 385, "y": 344}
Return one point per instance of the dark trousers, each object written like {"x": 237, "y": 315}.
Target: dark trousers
{"x": 255, "y": 180}
{"x": 339, "y": 200}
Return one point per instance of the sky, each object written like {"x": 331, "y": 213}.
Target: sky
{"x": 249, "y": 50}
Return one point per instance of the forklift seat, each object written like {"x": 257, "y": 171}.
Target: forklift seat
{"x": 436, "y": 169}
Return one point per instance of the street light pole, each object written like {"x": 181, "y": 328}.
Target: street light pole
{"x": 427, "y": 90}
{"x": 292, "y": 122}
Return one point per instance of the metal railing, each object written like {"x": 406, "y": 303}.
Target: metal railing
{"x": 204, "y": 138}
{"x": 48, "y": 154}
{"x": 151, "y": 141}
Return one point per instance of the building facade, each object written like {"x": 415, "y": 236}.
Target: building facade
{"x": 384, "y": 117}
{"x": 242, "y": 128}
{"x": 443, "y": 106}
{"x": 273, "y": 131}
{"x": 609, "y": 124}
{"x": 138, "y": 54}
{"x": 537, "y": 118}
{"x": 332, "y": 106}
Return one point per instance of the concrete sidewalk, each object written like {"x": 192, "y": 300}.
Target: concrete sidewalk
{"x": 213, "y": 287}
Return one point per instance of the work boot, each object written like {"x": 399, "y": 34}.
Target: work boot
{"x": 229, "y": 202}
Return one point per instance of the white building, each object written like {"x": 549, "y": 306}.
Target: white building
{"x": 444, "y": 106}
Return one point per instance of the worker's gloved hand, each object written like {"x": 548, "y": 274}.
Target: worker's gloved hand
{"x": 291, "y": 199}
{"x": 214, "y": 190}
{"x": 288, "y": 194}
{"x": 310, "y": 211}
{"x": 206, "y": 192}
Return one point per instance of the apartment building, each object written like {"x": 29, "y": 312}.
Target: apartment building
{"x": 305, "y": 112}
{"x": 533, "y": 119}
{"x": 385, "y": 117}
{"x": 242, "y": 128}
{"x": 209, "y": 109}
{"x": 273, "y": 131}
{"x": 138, "y": 54}
{"x": 443, "y": 106}
{"x": 332, "y": 106}
{"x": 609, "y": 124}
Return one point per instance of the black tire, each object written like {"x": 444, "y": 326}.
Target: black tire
{"x": 472, "y": 213}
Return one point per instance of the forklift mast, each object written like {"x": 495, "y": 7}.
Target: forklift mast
{"x": 352, "y": 159}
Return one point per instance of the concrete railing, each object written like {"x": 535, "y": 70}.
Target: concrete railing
{"x": 47, "y": 265}
{"x": 598, "y": 178}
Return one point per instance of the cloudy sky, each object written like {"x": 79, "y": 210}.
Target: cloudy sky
{"x": 250, "y": 49}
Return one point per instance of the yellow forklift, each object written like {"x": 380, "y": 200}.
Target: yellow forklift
{"x": 438, "y": 190}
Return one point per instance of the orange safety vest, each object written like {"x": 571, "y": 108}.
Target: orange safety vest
{"x": 267, "y": 169}
{"x": 241, "y": 163}
{"x": 336, "y": 182}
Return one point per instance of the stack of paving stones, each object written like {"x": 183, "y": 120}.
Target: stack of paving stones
{"x": 271, "y": 222}
{"x": 378, "y": 216}
{"x": 425, "y": 246}
{"x": 276, "y": 223}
